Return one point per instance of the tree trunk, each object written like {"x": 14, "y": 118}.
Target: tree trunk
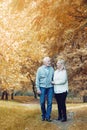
{"x": 84, "y": 98}
{"x": 4, "y": 95}
{"x": 33, "y": 86}
{"x": 34, "y": 90}
{"x": 12, "y": 96}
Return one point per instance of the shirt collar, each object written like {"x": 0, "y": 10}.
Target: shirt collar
{"x": 46, "y": 66}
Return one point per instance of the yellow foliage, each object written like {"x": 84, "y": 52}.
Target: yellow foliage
{"x": 18, "y": 4}
{"x": 31, "y": 29}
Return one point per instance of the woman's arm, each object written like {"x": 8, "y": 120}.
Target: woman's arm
{"x": 62, "y": 78}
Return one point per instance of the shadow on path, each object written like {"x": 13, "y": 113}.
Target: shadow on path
{"x": 65, "y": 125}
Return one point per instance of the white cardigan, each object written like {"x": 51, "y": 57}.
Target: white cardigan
{"x": 60, "y": 81}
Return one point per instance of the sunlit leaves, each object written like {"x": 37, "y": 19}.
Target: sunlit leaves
{"x": 17, "y": 4}
{"x": 32, "y": 29}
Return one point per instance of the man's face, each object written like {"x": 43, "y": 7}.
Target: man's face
{"x": 48, "y": 62}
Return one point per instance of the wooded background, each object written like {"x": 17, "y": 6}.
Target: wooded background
{"x": 32, "y": 29}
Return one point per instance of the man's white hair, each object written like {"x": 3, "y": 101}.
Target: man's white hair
{"x": 45, "y": 59}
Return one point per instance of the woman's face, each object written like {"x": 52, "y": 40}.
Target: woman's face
{"x": 59, "y": 66}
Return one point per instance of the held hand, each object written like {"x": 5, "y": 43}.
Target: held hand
{"x": 52, "y": 82}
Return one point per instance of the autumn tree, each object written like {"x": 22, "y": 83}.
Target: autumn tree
{"x": 33, "y": 29}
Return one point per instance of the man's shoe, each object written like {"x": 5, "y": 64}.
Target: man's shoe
{"x": 43, "y": 119}
{"x": 49, "y": 120}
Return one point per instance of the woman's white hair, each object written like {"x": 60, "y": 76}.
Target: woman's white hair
{"x": 62, "y": 62}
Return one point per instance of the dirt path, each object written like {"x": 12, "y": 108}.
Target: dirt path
{"x": 63, "y": 125}
{"x": 36, "y": 105}
{"x": 70, "y": 115}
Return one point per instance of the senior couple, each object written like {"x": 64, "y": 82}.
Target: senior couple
{"x": 50, "y": 83}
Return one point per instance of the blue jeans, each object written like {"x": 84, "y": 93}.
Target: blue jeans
{"x": 46, "y": 94}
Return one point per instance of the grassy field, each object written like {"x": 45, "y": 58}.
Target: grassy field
{"x": 19, "y": 116}
{"x": 14, "y": 116}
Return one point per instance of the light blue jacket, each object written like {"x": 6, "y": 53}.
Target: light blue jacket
{"x": 44, "y": 77}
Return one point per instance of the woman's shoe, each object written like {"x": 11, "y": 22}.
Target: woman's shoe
{"x": 59, "y": 118}
{"x": 63, "y": 120}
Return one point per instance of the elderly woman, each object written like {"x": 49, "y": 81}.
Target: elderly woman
{"x": 60, "y": 89}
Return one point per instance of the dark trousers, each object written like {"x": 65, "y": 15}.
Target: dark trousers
{"x": 61, "y": 103}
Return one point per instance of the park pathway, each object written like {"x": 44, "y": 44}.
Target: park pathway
{"x": 70, "y": 117}
{"x": 70, "y": 114}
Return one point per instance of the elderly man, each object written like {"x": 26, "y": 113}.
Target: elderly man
{"x": 44, "y": 87}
